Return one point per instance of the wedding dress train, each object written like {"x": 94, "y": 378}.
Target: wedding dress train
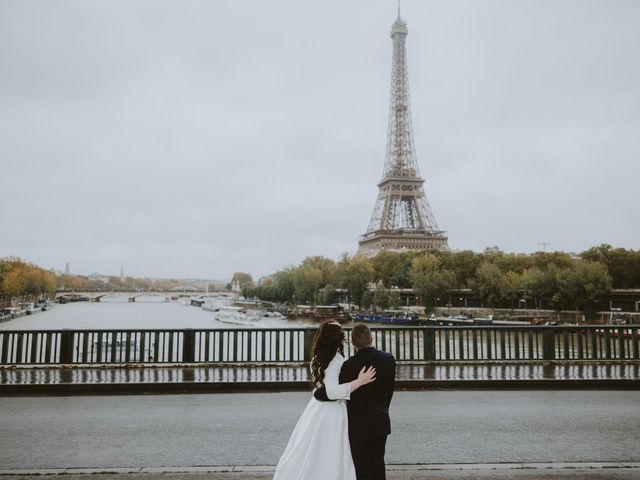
{"x": 319, "y": 445}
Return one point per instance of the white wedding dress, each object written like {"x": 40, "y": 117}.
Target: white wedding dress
{"x": 319, "y": 445}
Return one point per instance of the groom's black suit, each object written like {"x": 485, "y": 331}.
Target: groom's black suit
{"x": 368, "y": 409}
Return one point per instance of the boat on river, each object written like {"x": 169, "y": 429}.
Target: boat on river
{"x": 242, "y": 315}
{"x": 73, "y": 297}
{"x": 463, "y": 320}
{"x": 216, "y": 303}
{"x": 389, "y": 317}
{"x": 16, "y": 312}
{"x": 43, "y": 305}
{"x": 29, "y": 307}
{"x": 320, "y": 313}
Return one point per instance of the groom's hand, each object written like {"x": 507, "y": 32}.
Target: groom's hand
{"x": 321, "y": 395}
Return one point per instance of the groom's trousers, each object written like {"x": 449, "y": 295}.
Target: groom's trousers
{"x": 368, "y": 457}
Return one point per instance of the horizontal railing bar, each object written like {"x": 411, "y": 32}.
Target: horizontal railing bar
{"x": 378, "y": 328}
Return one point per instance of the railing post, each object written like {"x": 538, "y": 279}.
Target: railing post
{"x": 66, "y": 346}
{"x": 308, "y": 343}
{"x": 429, "y": 344}
{"x": 548, "y": 344}
{"x": 189, "y": 346}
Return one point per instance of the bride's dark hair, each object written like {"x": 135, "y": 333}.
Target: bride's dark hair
{"x": 328, "y": 340}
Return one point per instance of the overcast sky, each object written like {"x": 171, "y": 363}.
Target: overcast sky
{"x": 193, "y": 138}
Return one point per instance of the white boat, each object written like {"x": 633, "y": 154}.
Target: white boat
{"x": 215, "y": 303}
{"x": 16, "y": 312}
{"x": 236, "y": 315}
{"x": 269, "y": 314}
{"x": 43, "y": 305}
{"x": 29, "y": 308}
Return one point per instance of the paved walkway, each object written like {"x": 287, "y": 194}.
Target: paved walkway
{"x": 503, "y": 471}
{"x": 431, "y": 427}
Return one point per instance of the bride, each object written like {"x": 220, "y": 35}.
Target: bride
{"x": 319, "y": 445}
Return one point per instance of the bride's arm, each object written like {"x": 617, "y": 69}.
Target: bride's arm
{"x": 342, "y": 391}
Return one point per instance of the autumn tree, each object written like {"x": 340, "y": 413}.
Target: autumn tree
{"x": 242, "y": 278}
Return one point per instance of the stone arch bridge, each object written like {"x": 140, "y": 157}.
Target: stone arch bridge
{"x": 63, "y": 297}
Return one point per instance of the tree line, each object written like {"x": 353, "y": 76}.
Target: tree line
{"x": 562, "y": 280}
{"x": 18, "y": 278}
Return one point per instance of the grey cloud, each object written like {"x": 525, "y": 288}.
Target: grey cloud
{"x": 197, "y": 138}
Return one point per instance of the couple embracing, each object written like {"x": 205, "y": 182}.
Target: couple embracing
{"x": 341, "y": 434}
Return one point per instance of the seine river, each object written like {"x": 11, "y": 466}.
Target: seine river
{"x": 144, "y": 313}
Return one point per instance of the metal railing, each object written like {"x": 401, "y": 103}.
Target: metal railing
{"x": 407, "y": 344}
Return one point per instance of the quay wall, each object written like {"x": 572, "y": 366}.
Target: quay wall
{"x": 531, "y": 315}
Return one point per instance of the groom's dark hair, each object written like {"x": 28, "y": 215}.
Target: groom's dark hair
{"x": 361, "y": 336}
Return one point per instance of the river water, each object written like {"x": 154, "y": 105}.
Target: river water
{"x": 144, "y": 313}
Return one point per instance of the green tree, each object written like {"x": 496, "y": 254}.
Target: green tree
{"x": 463, "y": 265}
{"x": 307, "y": 280}
{"x": 366, "y": 300}
{"x": 387, "y": 266}
{"x": 622, "y": 265}
{"x": 429, "y": 281}
{"x": 354, "y": 274}
{"x": 381, "y": 297}
{"x": 512, "y": 287}
{"x": 535, "y": 285}
{"x": 395, "y": 300}
{"x": 327, "y": 295}
{"x": 583, "y": 285}
{"x": 285, "y": 285}
{"x": 489, "y": 284}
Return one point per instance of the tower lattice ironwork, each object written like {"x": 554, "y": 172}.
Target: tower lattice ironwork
{"x": 402, "y": 218}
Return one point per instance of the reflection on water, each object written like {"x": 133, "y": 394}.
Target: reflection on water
{"x": 299, "y": 373}
{"x": 144, "y": 313}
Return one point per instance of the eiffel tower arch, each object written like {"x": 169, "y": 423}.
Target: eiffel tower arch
{"x": 402, "y": 218}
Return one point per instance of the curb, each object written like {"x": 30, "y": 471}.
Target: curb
{"x": 271, "y": 468}
{"x": 65, "y": 389}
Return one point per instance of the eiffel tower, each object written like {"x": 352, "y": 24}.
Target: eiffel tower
{"x": 402, "y": 219}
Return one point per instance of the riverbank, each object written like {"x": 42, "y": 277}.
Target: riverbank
{"x": 536, "y": 316}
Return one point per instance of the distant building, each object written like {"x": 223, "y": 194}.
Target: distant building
{"x": 66, "y": 269}
{"x": 96, "y": 277}
{"x": 183, "y": 288}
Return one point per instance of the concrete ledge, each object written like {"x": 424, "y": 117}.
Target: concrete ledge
{"x": 470, "y": 467}
{"x": 60, "y": 389}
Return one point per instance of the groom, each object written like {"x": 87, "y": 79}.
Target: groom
{"x": 368, "y": 407}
